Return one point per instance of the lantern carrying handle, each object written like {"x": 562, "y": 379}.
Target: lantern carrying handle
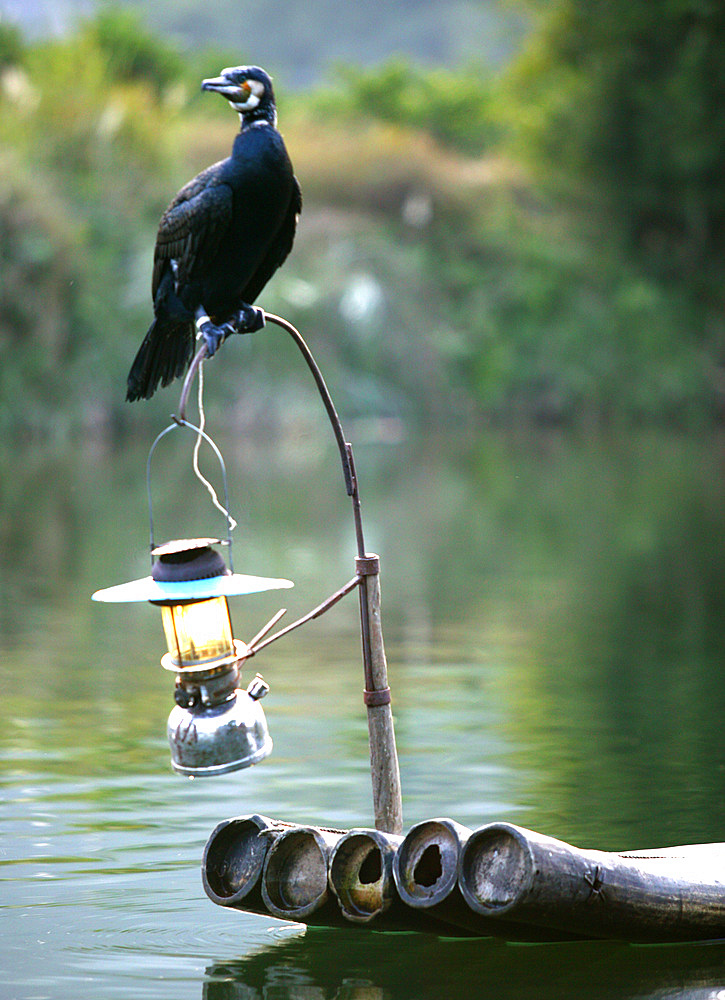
{"x": 200, "y": 433}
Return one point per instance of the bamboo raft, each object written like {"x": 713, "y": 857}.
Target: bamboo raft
{"x": 497, "y": 881}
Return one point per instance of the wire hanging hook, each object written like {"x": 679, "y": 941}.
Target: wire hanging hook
{"x": 201, "y": 433}
{"x": 195, "y": 461}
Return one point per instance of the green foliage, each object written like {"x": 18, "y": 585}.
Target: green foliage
{"x": 439, "y": 283}
{"x": 41, "y": 274}
{"x": 12, "y": 45}
{"x": 85, "y": 162}
{"x": 132, "y": 52}
{"x": 453, "y": 106}
{"x": 627, "y": 101}
{"x": 560, "y": 330}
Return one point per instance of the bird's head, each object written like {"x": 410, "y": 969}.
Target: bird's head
{"x": 248, "y": 89}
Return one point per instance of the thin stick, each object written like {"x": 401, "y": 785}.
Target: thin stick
{"x": 266, "y": 628}
{"x": 384, "y": 767}
{"x": 347, "y": 469}
{"x": 254, "y": 646}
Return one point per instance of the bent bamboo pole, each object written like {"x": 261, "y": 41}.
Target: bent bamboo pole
{"x": 519, "y": 876}
{"x": 384, "y": 766}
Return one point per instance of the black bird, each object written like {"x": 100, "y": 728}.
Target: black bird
{"x": 221, "y": 239}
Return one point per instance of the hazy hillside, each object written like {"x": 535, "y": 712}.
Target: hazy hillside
{"x": 541, "y": 244}
{"x": 301, "y": 41}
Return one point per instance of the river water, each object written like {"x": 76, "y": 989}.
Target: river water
{"x": 554, "y": 615}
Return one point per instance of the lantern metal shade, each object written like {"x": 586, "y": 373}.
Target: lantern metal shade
{"x": 170, "y": 592}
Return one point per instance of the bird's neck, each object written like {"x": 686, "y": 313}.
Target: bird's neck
{"x": 266, "y": 115}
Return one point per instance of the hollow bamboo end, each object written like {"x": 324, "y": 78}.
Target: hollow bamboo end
{"x": 426, "y": 865}
{"x": 294, "y": 880}
{"x": 497, "y": 868}
{"x": 233, "y": 859}
{"x": 361, "y": 874}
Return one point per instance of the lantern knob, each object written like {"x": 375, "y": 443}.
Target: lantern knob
{"x": 188, "y": 559}
{"x": 258, "y": 688}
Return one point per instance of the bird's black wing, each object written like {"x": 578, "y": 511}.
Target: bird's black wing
{"x": 288, "y": 230}
{"x": 279, "y": 248}
{"x": 193, "y": 226}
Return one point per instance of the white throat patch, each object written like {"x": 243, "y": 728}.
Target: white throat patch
{"x": 256, "y": 92}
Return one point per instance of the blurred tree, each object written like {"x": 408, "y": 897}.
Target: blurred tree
{"x": 132, "y": 52}
{"x": 12, "y": 45}
{"x": 452, "y": 106}
{"x": 628, "y": 97}
{"x": 82, "y": 182}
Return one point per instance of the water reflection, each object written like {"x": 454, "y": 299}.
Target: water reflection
{"x": 555, "y": 626}
{"x": 409, "y": 967}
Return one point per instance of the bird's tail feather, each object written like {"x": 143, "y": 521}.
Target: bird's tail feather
{"x": 163, "y": 356}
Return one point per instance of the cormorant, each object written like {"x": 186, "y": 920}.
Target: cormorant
{"x": 221, "y": 239}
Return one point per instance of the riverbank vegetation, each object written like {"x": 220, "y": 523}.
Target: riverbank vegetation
{"x": 544, "y": 244}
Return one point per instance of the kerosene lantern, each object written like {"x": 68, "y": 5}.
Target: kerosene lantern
{"x": 215, "y": 726}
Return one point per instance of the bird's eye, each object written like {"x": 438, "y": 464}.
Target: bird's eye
{"x": 249, "y": 95}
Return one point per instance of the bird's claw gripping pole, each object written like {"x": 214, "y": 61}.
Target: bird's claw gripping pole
{"x": 384, "y": 766}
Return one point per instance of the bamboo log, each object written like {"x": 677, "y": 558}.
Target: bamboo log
{"x": 500, "y": 880}
{"x": 384, "y": 767}
{"x": 426, "y": 871}
{"x": 361, "y": 874}
{"x": 426, "y": 864}
{"x": 294, "y": 879}
{"x": 675, "y": 894}
{"x": 233, "y": 860}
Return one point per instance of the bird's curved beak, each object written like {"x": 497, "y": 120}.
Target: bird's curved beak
{"x": 222, "y": 85}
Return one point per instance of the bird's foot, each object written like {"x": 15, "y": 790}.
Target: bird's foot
{"x": 245, "y": 320}
{"x": 248, "y": 319}
{"x": 213, "y": 335}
